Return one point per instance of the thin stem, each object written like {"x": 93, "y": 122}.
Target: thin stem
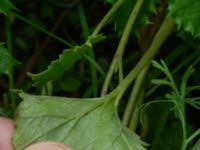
{"x": 91, "y": 55}
{"x": 121, "y": 47}
{"x": 43, "y": 30}
{"x": 134, "y": 118}
{"x": 9, "y": 47}
{"x": 96, "y": 65}
{"x": 195, "y": 134}
{"x": 134, "y": 96}
{"x": 184, "y": 137}
{"x": 159, "y": 39}
{"x": 107, "y": 17}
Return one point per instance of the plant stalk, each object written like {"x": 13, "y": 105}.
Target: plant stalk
{"x": 134, "y": 96}
{"x": 107, "y": 17}
{"x": 162, "y": 34}
{"x": 9, "y": 47}
{"x": 117, "y": 60}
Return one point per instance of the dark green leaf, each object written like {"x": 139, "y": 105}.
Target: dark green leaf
{"x": 160, "y": 82}
{"x": 171, "y": 138}
{"x": 6, "y": 6}
{"x": 84, "y": 124}
{"x": 6, "y": 61}
{"x": 186, "y": 14}
{"x": 57, "y": 67}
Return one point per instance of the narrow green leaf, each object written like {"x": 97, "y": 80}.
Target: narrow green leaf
{"x": 6, "y": 6}
{"x": 186, "y": 14}
{"x": 160, "y": 82}
{"x": 6, "y": 61}
{"x": 84, "y": 124}
{"x": 57, "y": 67}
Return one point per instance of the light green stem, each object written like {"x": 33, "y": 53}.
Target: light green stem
{"x": 159, "y": 39}
{"x": 107, "y": 17}
{"x": 195, "y": 134}
{"x": 134, "y": 96}
{"x": 117, "y": 60}
{"x": 85, "y": 29}
{"x": 134, "y": 118}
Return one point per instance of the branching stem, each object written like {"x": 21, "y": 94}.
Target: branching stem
{"x": 117, "y": 60}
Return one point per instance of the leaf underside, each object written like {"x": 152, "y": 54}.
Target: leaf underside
{"x": 187, "y": 15}
{"x": 83, "y": 124}
{"x": 57, "y": 67}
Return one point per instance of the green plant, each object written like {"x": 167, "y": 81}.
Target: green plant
{"x": 94, "y": 123}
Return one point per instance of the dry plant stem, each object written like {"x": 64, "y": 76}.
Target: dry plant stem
{"x": 159, "y": 39}
{"x": 117, "y": 60}
{"x": 134, "y": 96}
{"x": 107, "y": 17}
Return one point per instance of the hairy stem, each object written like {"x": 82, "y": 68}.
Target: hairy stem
{"x": 117, "y": 60}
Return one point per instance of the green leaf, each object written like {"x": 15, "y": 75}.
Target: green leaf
{"x": 186, "y": 14}
{"x": 57, "y": 67}
{"x": 160, "y": 82}
{"x": 6, "y": 6}
{"x": 171, "y": 138}
{"x": 84, "y": 124}
{"x": 95, "y": 39}
{"x": 6, "y": 61}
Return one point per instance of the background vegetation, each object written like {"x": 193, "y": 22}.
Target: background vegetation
{"x": 159, "y": 102}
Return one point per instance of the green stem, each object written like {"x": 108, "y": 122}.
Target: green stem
{"x": 182, "y": 118}
{"x": 91, "y": 55}
{"x": 107, "y": 17}
{"x": 121, "y": 47}
{"x": 8, "y": 33}
{"x": 9, "y": 47}
{"x": 134, "y": 96}
{"x": 159, "y": 39}
{"x": 134, "y": 118}
{"x": 195, "y": 134}
{"x": 43, "y": 30}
